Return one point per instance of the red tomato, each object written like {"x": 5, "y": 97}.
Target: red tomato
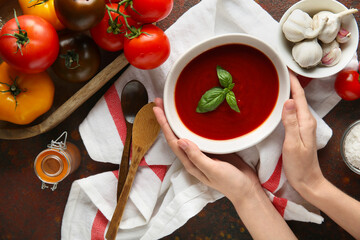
{"x": 149, "y": 50}
{"x": 111, "y": 41}
{"x": 347, "y": 85}
{"x": 39, "y": 49}
{"x": 149, "y": 11}
{"x": 112, "y": 1}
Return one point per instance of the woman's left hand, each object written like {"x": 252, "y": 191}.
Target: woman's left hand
{"x": 230, "y": 176}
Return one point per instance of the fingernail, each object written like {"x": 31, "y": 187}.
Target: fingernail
{"x": 290, "y": 105}
{"x": 182, "y": 144}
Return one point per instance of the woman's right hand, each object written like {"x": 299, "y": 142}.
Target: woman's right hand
{"x": 302, "y": 168}
{"x": 300, "y": 159}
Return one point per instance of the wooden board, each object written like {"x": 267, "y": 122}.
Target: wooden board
{"x": 68, "y": 96}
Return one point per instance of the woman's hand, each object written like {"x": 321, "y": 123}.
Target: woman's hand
{"x": 302, "y": 168}
{"x": 230, "y": 176}
{"x": 300, "y": 159}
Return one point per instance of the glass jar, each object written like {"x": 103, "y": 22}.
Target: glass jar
{"x": 55, "y": 163}
{"x": 349, "y": 146}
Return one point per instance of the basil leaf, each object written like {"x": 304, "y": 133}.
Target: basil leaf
{"x": 211, "y": 100}
{"x": 231, "y": 86}
{"x": 224, "y": 76}
{"x": 231, "y": 100}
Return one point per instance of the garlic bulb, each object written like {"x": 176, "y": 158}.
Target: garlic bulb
{"x": 299, "y": 26}
{"x": 307, "y": 53}
{"x": 343, "y": 36}
{"x": 332, "y": 26}
{"x": 331, "y": 53}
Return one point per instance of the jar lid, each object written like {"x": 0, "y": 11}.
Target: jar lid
{"x": 52, "y": 166}
{"x": 343, "y": 151}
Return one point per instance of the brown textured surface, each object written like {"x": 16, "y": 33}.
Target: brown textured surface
{"x": 27, "y": 212}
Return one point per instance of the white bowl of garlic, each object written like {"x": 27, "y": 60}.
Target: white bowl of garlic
{"x": 318, "y": 38}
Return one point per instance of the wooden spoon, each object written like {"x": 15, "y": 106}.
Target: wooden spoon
{"x": 133, "y": 97}
{"x": 145, "y": 131}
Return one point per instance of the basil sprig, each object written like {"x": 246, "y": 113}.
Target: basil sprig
{"x": 216, "y": 95}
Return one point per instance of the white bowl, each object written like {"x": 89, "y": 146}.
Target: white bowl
{"x": 244, "y": 141}
{"x": 348, "y": 49}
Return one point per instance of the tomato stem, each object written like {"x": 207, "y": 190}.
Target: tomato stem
{"x": 133, "y": 31}
{"x": 14, "y": 90}
{"x": 114, "y": 26}
{"x": 71, "y": 57}
{"x": 129, "y": 3}
{"x": 21, "y": 37}
{"x": 38, "y": 2}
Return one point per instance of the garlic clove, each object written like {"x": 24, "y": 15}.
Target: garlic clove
{"x": 295, "y": 25}
{"x": 327, "y": 47}
{"x": 332, "y": 58}
{"x": 332, "y": 26}
{"x": 328, "y": 34}
{"x": 298, "y": 26}
{"x": 331, "y": 54}
{"x": 343, "y": 36}
{"x": 307, "y": 53}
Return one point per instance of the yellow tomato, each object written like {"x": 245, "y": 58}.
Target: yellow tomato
{"x": 24, "y": 97}
{"x": 42, "y": 8}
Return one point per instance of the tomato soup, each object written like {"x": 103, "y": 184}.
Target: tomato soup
{"x": 256, "y": 90}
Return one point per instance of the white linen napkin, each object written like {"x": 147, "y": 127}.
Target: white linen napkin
{"x": 164, "y": 196}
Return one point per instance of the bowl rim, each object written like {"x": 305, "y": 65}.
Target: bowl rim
{"x": 242, "y": 142}
{"x": 348, "y": 48}
{"x": 342, "y": 147}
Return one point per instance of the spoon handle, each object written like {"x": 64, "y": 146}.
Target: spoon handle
{"x": 138, "y": 153}
{"x": 124, "y": 165}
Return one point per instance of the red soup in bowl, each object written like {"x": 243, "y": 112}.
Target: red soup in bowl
{"x": 256, "y": 90}
{"x": 258, "y": 87}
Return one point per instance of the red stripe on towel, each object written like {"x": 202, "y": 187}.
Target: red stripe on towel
{"x": 114, "y": 104}
{"x": 280, "y": 204}
{"x": 273, "y": 182}
{"x": 99, "y": 226}
{"x": 116, "y": 173}
{"x": 159, "y": 170}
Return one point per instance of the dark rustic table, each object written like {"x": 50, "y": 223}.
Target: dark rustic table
{"x": 27, "y": 212}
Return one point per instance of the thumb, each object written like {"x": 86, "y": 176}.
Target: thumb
{"x": 290, "y": 122}
{"x": 198, "y": 158}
